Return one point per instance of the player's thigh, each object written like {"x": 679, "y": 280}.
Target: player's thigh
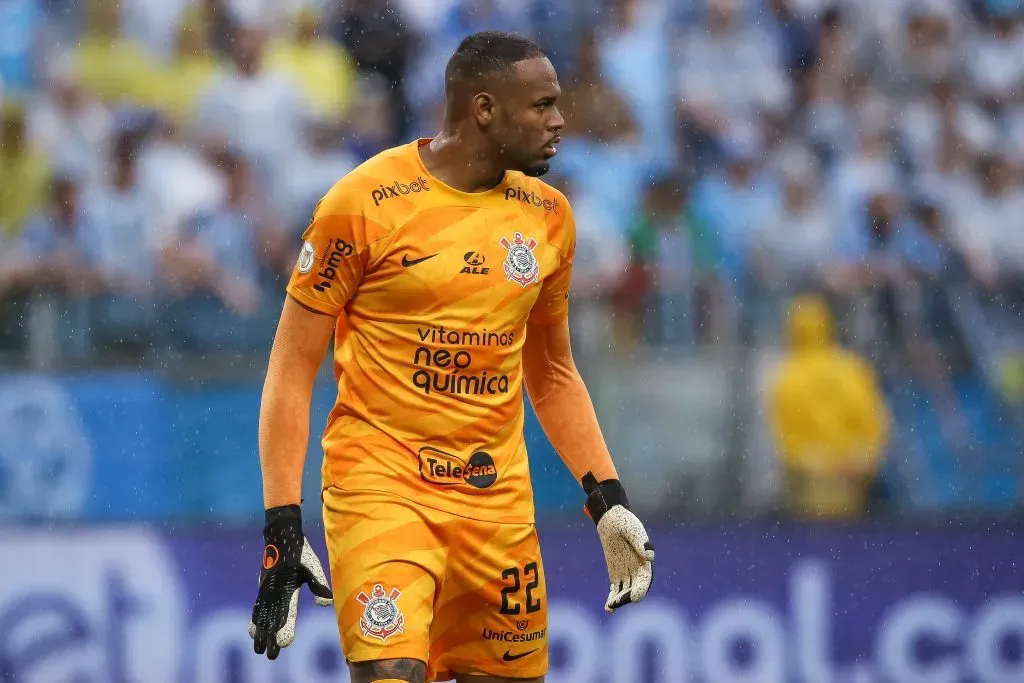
{"x": 491, "y": 618}
{"x": 388, "y": 671}
{"x": 385, "y": 566}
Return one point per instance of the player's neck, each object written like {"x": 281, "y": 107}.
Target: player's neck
{"x": 460, "y": 163}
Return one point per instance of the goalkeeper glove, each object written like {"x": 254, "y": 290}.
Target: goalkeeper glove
{"x": 628, "y": 551}
{"x": 288, "y": 562}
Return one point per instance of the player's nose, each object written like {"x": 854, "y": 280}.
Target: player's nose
{"x": 556, "y": 123}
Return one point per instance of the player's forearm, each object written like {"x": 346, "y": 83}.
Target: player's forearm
{"x": 299, "y": 343}
{"x": 284, "y": 426}
{"x": 284, "y": 436}
{"x": 566, "y": 413}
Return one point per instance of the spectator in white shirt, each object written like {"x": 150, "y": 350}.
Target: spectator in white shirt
{"x": 995, "y": 60}
{"x": 120, "y": 215}
{"x": 988, "y": 222}
{"x": 794, "y": 243}
{"x": 728, "y": 69}
{"x": 254, "y": 110}
{"x": 69, "y": 125}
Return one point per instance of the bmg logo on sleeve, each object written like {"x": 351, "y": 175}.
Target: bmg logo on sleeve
{"x": 337, "y": 250}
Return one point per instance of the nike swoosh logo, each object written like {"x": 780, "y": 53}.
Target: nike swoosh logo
{"x": 407, "y": 262}
{"x": 509, "y": 657}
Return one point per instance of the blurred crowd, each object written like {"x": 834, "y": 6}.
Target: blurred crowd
{"x": 160, "y": 158}
{"x": 718, "y": 152}
{"x": 721, "y": 154}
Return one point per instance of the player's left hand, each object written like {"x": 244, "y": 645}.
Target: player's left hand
{"x": 628, "y": 551}
{"x": 288, "y": 563}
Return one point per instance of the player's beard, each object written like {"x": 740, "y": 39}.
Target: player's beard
{"x": 531, "y": 165}
{"x": 537, "y": 169}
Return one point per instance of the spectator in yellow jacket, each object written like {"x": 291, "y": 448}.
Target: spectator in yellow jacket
{"x": 322, "y": 68}
{"x": 23, "y": 173}
{"x": 828, "y": 418}
{"x": 176, "y": 88}
{"x": 108, "y": 64}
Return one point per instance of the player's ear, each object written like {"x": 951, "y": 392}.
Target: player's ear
{"x": 483, "y": 108}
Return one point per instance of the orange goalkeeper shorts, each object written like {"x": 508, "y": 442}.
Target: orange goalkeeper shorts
{"x": 462, "y": 595}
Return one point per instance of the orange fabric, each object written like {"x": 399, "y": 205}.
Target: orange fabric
{"x": 435, "y": 294}
{"x": 460, "y": 594}
{"x": 562, "y": 402}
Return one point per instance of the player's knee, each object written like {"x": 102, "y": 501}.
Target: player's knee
{"x": 389, "y": 671}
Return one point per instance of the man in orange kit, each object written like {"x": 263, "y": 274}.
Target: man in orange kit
{"x": 448, "y": 264}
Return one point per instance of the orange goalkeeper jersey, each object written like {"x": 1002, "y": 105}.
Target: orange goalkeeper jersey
{"x": 433, "y": 288}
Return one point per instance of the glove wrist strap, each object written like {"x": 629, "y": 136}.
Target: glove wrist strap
{"x": 283, "y": 513}
{"x": 603, "y": 496}
{"x": 282, "y": 535}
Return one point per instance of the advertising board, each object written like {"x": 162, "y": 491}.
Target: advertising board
{"x": 765, "y": 603}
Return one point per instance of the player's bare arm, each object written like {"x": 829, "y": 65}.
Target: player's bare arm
{"x": 288, "y": 561}
{"x": 299, "y": 346}
{"x": 567, "y": 415}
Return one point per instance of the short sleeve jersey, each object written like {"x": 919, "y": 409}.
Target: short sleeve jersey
{"x": 433, "y": 288}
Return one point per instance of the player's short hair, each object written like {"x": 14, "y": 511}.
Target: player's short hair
{"x": 485, "y": 54}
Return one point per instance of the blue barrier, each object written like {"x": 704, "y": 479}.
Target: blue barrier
{"x": 118, "y": 445}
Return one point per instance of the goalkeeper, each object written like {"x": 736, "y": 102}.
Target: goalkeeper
{"x": 442, "y": 269}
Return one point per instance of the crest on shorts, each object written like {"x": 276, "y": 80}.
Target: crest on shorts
{"x": 381, "y": 616}
{"x": 520, "y": 263}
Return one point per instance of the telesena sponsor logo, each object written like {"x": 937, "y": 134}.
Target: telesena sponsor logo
{"x": 398, "y": 189}
{"x": 445, "y": 469}
{"x": 531, "y": 198}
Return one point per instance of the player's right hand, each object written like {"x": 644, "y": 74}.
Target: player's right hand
{"x": 288, "y": 562}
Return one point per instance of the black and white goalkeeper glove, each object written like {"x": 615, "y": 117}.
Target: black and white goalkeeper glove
{"x": 628, "y": 551}
{"x": 288, "y": 562}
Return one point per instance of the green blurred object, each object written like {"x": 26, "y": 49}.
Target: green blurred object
{"x": 1011, "y": 377}
{"x": 23, "y": 169}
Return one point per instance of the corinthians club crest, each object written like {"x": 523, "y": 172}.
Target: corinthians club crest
{"x": 381, "y": 616}
{"x": 520, "y": 264}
